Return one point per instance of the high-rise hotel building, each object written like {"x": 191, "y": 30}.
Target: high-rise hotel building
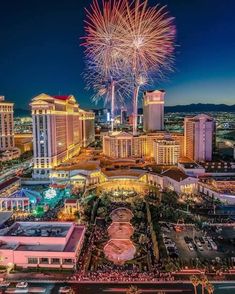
{"x": 166, "y": 152}
{"x": 199, "y": 136}
{"x": 6, "y": 125}
{"x": 60, "y": 129}
{"x": 153, "y": 108}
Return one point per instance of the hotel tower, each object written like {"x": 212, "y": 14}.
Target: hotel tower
{"x": 199, "y": 136}
{"x": 60, "y": 129}
{"x": 153, "y": 109}
{"x": 6, "y": 125}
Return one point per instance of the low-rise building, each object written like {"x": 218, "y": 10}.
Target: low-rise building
{"x": 71, "y": 206}
{"x": 192, "y": 169}
{"x": 41, "y": 244}
{"x": 24, "y": 142}
{"x": 224, "y": 190}
{"x": 9, "y": 186}
{"x": 175, "y": 180}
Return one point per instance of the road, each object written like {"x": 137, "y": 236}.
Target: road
{"x": 11, "y": 171}
{"x": 101, "y": 288}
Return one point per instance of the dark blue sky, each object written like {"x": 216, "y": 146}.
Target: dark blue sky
{"x": 40, "y": 51}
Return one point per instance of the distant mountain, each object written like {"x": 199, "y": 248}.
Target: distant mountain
{"x": 200, "y": 107}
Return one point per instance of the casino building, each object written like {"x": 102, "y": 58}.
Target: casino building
{"x": 125, "y": 145}
{"x": 60, "y": 129}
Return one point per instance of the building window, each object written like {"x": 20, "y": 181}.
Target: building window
{"x": 55, "y": 261}
{"x": 32, "y": 260}
{"x": 68, "y": 261}
{"x": 44, "y": 260}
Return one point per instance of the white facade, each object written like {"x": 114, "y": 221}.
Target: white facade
{"x": 174, "y": 180}
{"x": 125, "y": 145}
{"x": 60, "y": 129}
{"x": 153, "y": 109}
{"x": 166, "y": 152}
{"x": 199, "y": 137}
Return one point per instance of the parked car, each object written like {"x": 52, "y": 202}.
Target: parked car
{"x": 22, "y": 285}
{"x": 202, "y": 240}
{"x": 187, "y": 240}
{"x": 190, "y": 247}
{"x": 65, "y": 289}
{"x": 200, "y": 247}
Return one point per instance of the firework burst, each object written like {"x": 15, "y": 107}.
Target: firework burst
{"x": 125, "y": 44}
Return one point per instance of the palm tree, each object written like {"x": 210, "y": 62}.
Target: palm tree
{"x": 133, "y": 290}
{"x": 204, "y": 281}
{"x": 210, "y": 288}
{"x": 195, "y": 281}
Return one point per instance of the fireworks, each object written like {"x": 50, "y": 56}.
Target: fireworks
{"x": 125, "y": 44}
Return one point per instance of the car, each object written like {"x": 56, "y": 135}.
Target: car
{"x": 190, "y": 247}
{"x": 65, "y": 289}
{"x": 202, "y": 240}
{"x": 200, "y": 247}
{"x": 199, "y": 243}
{"x": 22, "y": 285}
{"x": 4, "y": 284}
{"x": 209, "y": 246}
{"x": 214, "y": 246}
{"x": 187, "y": 240}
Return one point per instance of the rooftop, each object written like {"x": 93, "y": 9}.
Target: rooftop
{"x": 123, "y": 173}
{"x": 175, "y": 174}
{"x": 9, "y": 182}
{"x": 190, "y": 165}
{"x": 71, "y": 201}
{"x": 61, "y": 97}
{"x": 43, "y": 235}
{"x": 38, "y": 229}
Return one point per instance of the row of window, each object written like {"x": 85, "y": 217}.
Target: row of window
{"x": 45, "y": 260}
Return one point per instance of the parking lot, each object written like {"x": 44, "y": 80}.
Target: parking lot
{"x": 210, "y": 243}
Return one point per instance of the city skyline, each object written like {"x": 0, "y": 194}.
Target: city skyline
{"x": 41, "y": 53}
{"x": 113, "y": 198}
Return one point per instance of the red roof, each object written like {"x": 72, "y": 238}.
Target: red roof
{"x": 63, "y": 97}
{"x": 71, "y": 201}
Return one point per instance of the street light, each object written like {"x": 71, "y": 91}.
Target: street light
{"x": 195, "y": 281}
{"x": 210, "y": 288}
{"x": 204, "y": 281}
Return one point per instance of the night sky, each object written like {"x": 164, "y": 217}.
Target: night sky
{"x": 40, "y": 50}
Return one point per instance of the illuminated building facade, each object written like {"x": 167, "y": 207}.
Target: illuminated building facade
{"x": 60, "y": 129}
{"x": 7, "y": 142}
{"x": 24, "y": 142}
{"x": 42, "y": 244}
{"x": 6, "y": 125}
{"x": 125, "y": 145}
{"x": 199, "y": 134}
{"x": 153, "y": 108}
{"x": 166, "y": 152}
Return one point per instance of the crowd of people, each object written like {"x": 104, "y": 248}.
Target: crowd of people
{"x": 112, "y": 274}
